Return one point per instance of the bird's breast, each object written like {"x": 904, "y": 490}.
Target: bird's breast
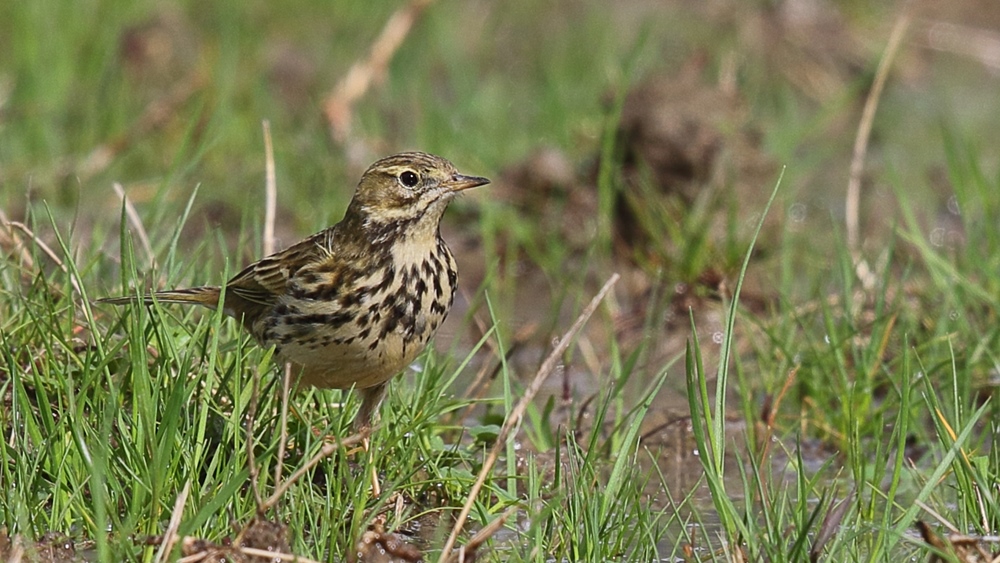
{"x": 372, "y": 325}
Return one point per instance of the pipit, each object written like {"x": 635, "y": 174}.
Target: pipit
{"x": 355, "y": 303}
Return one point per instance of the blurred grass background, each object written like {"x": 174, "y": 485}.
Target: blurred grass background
{"x": 168, "y": 98}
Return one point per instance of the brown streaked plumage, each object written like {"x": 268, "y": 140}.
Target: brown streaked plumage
{"x": 355, "y": 303}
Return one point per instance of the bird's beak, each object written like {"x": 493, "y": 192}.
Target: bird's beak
{"x": 461, "y": 182}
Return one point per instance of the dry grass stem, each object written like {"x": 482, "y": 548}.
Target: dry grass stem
{"x": 831, "y": 525}
{"x": 251, "y": 458}
{"x": 17, "y": 552}
{"x": 479, "y": 385}
{"x": 852, "y": 204}
{"x": 10, "y": 238}
{"x": 222, "y": 553}
{"x": 481, "y": 536}
{"x": 326, "y": 451}
{"x": 270, "y": 190}
{"x": 272, "y": 555}
{"x": 769, "y": 415}
{"x": 170, "y": 535}
{"x": 337, "y": 108}
{"x": 156, "y": 114}
{"x": 514, "y": 417}
{"x": 937, "y": 516}
{"x": 136, "y": 222}
{"x": 48, "y": 252}
{"x": 193, "y": 558}
{"x": 286, "y": 384}
{"x": 982, "y": 45}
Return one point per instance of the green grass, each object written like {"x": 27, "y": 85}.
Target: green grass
{"x": 827, "y": 416}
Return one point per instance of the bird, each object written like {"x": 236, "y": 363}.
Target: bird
{"x": 354, "y": 304}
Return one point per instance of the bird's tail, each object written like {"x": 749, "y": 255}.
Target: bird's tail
{"x": 207, "y": 296}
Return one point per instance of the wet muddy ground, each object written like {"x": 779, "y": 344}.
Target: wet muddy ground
{"x": 687, "y": 145}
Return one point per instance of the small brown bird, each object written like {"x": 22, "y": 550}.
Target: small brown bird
{"x": 355, "y": 303}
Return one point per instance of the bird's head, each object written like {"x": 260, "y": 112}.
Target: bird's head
{"x": 409, "y": 186}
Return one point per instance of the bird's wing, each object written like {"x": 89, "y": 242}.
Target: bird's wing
{"x": 262, "y": 282}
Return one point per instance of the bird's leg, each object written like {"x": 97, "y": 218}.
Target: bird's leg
{"x": 371, "y": 400}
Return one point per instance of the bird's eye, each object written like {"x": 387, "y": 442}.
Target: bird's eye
{"x": 409, "y": 179}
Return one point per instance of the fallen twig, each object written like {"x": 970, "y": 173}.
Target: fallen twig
{"x": 982, "y": 45}
{"x": 283, "y": 436}
{"x": 251, "y": 457}
{"x": 48, "y": 252}
{"x": 337, "y": 108}
{"x": 852, "y": 203}
{"x": 170, "y": 536}
{"x": 481, "y": 536}
{"x": 514, "y": 417}
{"x": 270, "y": 191}
{"x": 272, "y": 555}
{"x": 156, "y": 114}
{"x": 136, "y": 222}
{"x": 327, "y": 450}
{"x": 9, "y": 237}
